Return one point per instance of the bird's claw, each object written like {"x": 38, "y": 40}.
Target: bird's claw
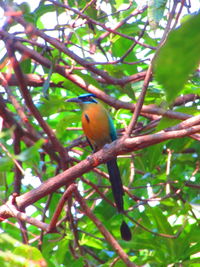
{"x": 94, "y": 161}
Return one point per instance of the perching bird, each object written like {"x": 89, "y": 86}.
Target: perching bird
{"x": 99, "y": 130}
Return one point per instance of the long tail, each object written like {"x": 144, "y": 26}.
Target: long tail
{"x": 118, "y": 192}
{"x": 116, "y": 184}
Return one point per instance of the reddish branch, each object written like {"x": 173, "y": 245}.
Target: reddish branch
{"x": 9, "y": 210}
{"x": 37, "y": 80}
{"x": 111, "y": 240}
{"x": 52, "y": 227}
{"x": 121, "y": 23}
{"x": 28, "y": 138}
{"x": 67, "y": 177}
{"x": 96, "y": 190}
{"x": 88, "y": 19}
{"x": 181, "y": 100}
{"x": 29, "y": 102}
{"x": 148, "y": 77}
{"x": 102, "y": 156}
{"x": 91, "y": 88}
{"x": 62, "y": 48}
{"x": 192, "y": 185}
{"x": 18, "y": 173}
{"x": 60, "y": 206}
{"x": 185, "y": 124}
{"x": 188, "y": 127}
{"x": 140, "y": 102}
{"x": 34, "y": 80}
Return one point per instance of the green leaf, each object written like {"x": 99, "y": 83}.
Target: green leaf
{"x": 30, "y": 17}
{"x": 66, "y": 121}
{"x": 43, "y": 9}
{"x": 91, "y": 242}
{"x": 17, "y": 254}
{"x": 78, "y": 263}
{"x": 26, "y": 65}
{"x": 161, "y": 220}
{"x": 150, "y": 158}
{"x": 6, "y": 164}
{"x": 30, "y": 252}
{"x": 155, "y": 12}
{"x": 118, "y": 3}
{"x": 166, "y": 123}
{"x": 91, "y": 11}
{"x": 30, "y": 153}
{"x": 120, "y": 46}
{"x": 90, "y": 79}
{"x": 24, "y": 7}
{"x": 178, "y": 57}
{"x": 46, "y": 84}
{"x": 2, "y": 179}
{"x": 77, "y": 241}
{"x": 51, "y": 105}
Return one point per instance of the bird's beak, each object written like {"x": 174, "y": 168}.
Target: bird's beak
{"x": 75, "y": 100}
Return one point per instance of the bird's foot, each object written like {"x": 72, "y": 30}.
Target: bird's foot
{"x": 106, "y": 146}
{"x": 94, "y": 160}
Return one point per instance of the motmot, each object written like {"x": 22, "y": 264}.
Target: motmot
{"x": 99, "y": 130}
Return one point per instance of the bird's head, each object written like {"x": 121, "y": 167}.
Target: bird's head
{"x": 83, "y": 99}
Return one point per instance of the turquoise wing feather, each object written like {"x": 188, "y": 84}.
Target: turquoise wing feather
{"x": 113, "y": 133}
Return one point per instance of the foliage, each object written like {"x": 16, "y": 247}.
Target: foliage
{"x": 173, "y": 52}
{"x": 17, "y": 254}
{"x": 57, "y": 51}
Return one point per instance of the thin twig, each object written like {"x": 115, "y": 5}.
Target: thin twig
{"x": 59, "y": 208}
{"x": 101, "y": 24}
{"x": 110, "y": 239}
{"x": 29, "y": 102}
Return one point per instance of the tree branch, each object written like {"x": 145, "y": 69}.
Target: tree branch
{"x": 117, "y": 147}
{"x": 29, "y": 102}
{"x": 111, "y": 240}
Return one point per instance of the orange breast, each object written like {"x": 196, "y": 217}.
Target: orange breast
{"x": 95, "y": 124}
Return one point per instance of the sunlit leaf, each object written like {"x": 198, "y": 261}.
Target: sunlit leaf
{"x": 178, "y": 58}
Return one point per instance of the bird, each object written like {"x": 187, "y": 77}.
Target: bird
{"x": 99, "y": 130}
